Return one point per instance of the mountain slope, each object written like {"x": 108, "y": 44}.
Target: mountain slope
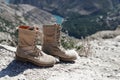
{"x": 81, "y": 17}
{"x": 11, "y": 16}
{"x": 64, "y": 7}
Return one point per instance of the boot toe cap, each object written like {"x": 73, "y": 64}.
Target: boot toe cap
{"x": 48, "y": 59}
{"x": 71, "y": 55}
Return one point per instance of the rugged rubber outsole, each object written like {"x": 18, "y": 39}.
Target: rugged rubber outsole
{"x": 60, "y": 58}
{"x": 33, "y": 62}
{"x": 67, "y": 59}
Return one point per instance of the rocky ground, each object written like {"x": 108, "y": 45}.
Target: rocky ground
{"x": 102, "y": 64}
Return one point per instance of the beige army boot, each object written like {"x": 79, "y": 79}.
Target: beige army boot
{"x": 51, "y": 44}
{"x": 27, "y": 50}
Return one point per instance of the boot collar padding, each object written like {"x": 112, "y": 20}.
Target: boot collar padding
{"x": 28, "y": 27}
{"x": 24, "y": 27}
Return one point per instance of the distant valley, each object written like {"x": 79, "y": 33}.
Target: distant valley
{"x": 81, "y": 17}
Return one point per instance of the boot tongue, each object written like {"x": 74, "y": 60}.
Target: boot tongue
{"x": 31, "y": 28}
{"x": 34, "y": 28}
{"x": 24, "y": 27}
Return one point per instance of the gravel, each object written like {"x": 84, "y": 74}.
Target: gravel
{"x": 102, "y": 64}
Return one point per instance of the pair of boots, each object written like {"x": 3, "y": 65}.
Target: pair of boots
{"x": 27, "y": 50}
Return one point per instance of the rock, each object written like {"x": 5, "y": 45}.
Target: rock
{"x": 117, "y": 38}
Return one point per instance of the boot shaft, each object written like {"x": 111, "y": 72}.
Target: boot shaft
{"x": 27, "y": 49}
{"x": 26, "y": 36}
{"x": 51, "y": 34}
{"x": 51, "y": 43}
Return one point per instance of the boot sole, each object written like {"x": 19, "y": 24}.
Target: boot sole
{"x": 67, "y": 60}
{"x": 61, "y": 59}
{"x": 33, "y": 62}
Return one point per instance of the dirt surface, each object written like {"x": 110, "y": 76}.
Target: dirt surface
{"x": 102, "y": 64}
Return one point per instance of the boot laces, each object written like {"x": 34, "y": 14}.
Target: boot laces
{"x": 58, "y": 35}
{"x": 37, "y": 51}
{"x": 59, "y": 38}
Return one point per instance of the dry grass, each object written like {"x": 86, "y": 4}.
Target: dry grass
{"x": 85, "y": 50}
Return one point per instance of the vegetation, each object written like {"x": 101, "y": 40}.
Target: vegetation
{"x": 84, "y": 25}
{"x": 70, "y": 43}
{"x": 67, "y": 43}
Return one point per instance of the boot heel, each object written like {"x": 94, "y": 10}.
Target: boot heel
{"x": 20, "y": 59}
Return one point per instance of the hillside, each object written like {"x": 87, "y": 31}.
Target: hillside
{"x": 23, "y": 14}
{"x": 11, "y": 16}
{"x": 64, "y": 7}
